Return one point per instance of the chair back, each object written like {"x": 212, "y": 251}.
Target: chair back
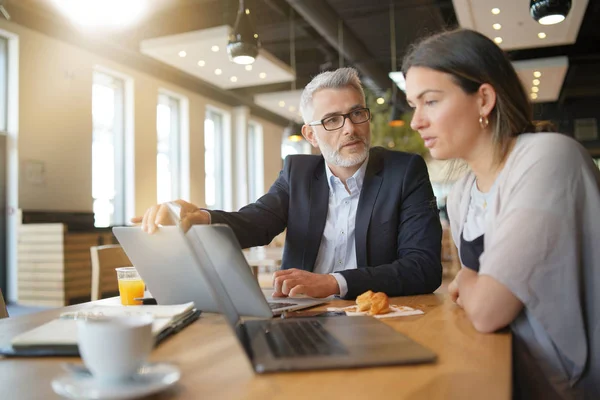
{"x": 3, "y": 310}
{"x": 104, "y": 277}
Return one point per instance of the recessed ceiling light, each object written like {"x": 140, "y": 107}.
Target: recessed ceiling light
{"x": 534, "y": 96}
{"x": 256, "y": 36}
{"x": 262, "y": 75}
{"x": 498, "y": 40}
{"x": 536, "y": 82}
{"x": 380, "y": 100}
{"x": 248, "y": 67}
{"x": 292, "y": 108}
{"x": 218, "y": 71}
{"x": 537, "y": 74}
{"x": 215, "y": 48}
{"x": 281, "y": 103}
{"x": 535, "y": 89}
{"x": 497, "y": 27}
{"x": 201, "y": 63}
{"x": 233, "y": 79}
{"x": 495, "y": 11}
{"x": 182, "y": 53}
{"x": 542, "y": 35}
{"x": 247, "y": 11}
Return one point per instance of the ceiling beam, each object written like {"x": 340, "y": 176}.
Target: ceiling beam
{"x": 323, "y": 18}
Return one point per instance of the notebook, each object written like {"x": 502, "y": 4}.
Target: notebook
{"x": 59, "y": 336}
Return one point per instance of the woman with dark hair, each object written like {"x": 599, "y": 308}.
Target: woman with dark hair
{"x": 526, "y": 217}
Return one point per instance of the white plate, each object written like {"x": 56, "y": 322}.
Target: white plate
{"x": 151, "y": 378}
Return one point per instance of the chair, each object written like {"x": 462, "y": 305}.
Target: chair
{"x": 104, "y": 277}
{"x": 3, "y": 310}
{"x": 450, "y": 258}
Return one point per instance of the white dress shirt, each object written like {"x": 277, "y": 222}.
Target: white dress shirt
{"x": 337, "y": 251}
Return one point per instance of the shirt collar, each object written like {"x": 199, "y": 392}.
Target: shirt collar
{"x": 358, "y": 178}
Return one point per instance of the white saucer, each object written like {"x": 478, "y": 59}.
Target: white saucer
{"x": 151, "y": 378}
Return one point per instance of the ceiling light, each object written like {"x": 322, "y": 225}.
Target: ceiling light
{"x": 535, "y": 89}
{"x": 293, "y": 132}
{"x": 215, "y": 48}
{"x": 262, "y": 75}
{"x": 398, "y": 78}
{"x": 536, "y": 82}
{"x": 497, "y": 27}
{"x": 292, "y": 108}
{"x": 218, "y": 71}
{"x": 534, "y": 96}
{"x": 201, "y": 63}
{"x": 182, "y": 53}
{"x": 248, "y": 67}
{"x": 94, "y": 14}
{"x": 380, "y": 100}
{"x": 537, "y": 74}
{"x": 395, "y": 117}
{"x": 549, "y": 12}
{"x": 243, "y": 41}
{"x": 542, "y": 35}
{"x": 495, "y": 11}
{"x": 281, "y": 103}
{"x": 233, "y": 79}
{"x": 498, "y": 40}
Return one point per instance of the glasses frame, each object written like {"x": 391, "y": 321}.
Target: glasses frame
{"x": 347, "y": 115}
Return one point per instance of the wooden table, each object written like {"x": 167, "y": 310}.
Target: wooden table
{"x": 214, "y": 366}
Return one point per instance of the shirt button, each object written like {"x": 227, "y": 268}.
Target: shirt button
{"x": 342, "y": 232}
{"x": 346, "y": 202}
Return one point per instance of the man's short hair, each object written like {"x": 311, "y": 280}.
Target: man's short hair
{"x": 340, "y": 78}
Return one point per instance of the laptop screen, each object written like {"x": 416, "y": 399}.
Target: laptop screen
{"x": 221, "y": 297}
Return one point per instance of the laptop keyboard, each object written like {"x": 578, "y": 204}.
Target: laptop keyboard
{"x": 281, "y": 305}
{"x": 302, "y": 339}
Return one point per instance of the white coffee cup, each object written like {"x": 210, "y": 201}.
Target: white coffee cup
{"x": 113, "y": 348}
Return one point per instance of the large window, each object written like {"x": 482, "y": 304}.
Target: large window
{"x": 3, "y": 83}
{"x": 294, "y": 146}
{"x": 108, "y": 167}
{"x": 168, "y": 166}
{"x": 255, "y": 162}
{"x": 214, "y": 159}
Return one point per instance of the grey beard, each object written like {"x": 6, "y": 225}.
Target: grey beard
{"x": 335, "y": 158}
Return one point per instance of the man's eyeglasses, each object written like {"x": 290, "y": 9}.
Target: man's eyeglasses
{"x": 357, "y": 116}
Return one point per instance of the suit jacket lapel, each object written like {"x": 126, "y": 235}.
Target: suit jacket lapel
{"x": 366, "y": 203}
{"x": 319, "y": 204}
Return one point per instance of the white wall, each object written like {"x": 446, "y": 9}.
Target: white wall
{"x": 55, "y": 126}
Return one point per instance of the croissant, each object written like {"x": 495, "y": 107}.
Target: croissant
{"x": 379, "y": 304}
{"x": 364, "y": 301}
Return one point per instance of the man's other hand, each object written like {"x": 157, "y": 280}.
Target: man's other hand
{"x": 293, "y": 282}
{"x": 159, "y": 215}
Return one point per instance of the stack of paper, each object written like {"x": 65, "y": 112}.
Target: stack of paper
{"x": 59, "y": 336}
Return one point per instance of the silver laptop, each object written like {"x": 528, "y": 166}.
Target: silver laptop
{"x": 168, "y": 267}
{"x": 291, "y": 344}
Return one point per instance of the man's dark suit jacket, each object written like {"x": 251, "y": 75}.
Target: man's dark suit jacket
{"x": 397, "y": 232}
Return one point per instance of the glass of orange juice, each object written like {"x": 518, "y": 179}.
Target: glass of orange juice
{"x": 131, "y": 286}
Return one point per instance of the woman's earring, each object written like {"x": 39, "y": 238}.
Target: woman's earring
{"x": 483, "y": 122}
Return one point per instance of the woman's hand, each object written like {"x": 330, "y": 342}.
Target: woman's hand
{"x": 453, "y": 289}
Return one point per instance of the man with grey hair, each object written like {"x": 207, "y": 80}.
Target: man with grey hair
{"x": 357, "y": 218}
